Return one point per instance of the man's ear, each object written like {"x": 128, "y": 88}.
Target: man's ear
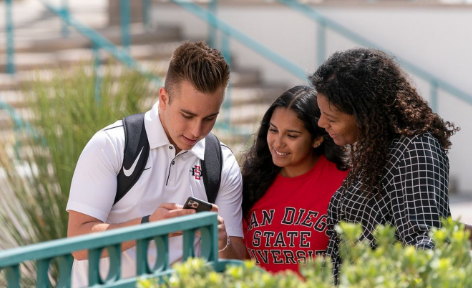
{"x": 318, "y": 142}
{"x": 163, "y": 98}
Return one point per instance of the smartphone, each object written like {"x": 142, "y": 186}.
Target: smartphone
{"x": 197, "y": 204}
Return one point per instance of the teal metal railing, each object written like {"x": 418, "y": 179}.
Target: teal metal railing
{"x": 239, "y": 36}
{"x": 215, "y": 24}
{"x": 98, "y": 42}
{"x": 325, "y": 23}
{"x": 125, "y": 20}
{"x": 43, "y": 254}
{"x": 65, "y": 13}
{"x": 9, "y": 35}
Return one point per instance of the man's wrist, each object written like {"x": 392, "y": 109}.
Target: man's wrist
{"x": 228, "y": 241}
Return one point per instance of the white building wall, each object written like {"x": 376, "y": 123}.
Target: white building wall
{"x": 438, "y": 39}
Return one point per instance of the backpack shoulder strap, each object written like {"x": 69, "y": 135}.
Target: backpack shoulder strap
{"x": 212, "y": 166}
{"x": 135, "y": 155}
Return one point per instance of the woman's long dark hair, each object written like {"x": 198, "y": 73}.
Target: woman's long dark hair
{"x": 258, "y": 170}
{"x": 368, "y": 84}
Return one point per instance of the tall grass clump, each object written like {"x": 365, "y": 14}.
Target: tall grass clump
{"x": 38, "y": 164}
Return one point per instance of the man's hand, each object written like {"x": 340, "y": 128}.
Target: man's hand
{"x": 222, "y": 236}
{"x": 169, "y": 210}
{"x": 80, "y": 224}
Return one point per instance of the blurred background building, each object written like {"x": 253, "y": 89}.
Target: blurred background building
{"x": 271, "y": 45}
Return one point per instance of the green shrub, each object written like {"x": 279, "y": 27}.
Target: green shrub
{"x": 40, "y": 162}
{"x": 390, "y": 265}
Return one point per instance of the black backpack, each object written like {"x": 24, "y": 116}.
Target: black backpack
{"x": 137, "y": 148}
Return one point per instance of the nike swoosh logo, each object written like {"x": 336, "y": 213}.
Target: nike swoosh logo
{"x": 130, "y": 171}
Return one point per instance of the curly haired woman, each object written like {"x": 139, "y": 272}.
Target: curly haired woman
{"x": 289, "y": 176}
{"x": 399, "y": 167}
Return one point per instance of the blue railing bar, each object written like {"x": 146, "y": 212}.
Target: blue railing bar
{"x": 10, "y": 42}
{"x": 17, "y": 119}
{"x": 313, "y": 14}
{"x": 96, "y": 240}
{"x": 441, "y": 84}
{"x": 124, "y": 20}
{"x": 212, "y": 7}
{"x": 103, "y": 43}
{"x": 18, "y": 123}
{"x": 205, "y": 15}
{"x": 147, "y": 6}
{"x": 65, "y": 13}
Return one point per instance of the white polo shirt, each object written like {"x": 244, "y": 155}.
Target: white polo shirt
{"x": 166, "y": 178}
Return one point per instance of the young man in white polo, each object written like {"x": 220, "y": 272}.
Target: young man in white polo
{"x": 176, "y": 127}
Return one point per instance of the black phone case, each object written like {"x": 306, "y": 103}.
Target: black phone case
{"x": 197, "y": 204}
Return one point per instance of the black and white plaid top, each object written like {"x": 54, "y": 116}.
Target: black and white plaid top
{"x": 414, "y": 196}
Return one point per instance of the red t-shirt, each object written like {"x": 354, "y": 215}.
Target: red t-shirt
{"x": 287, "y": 225}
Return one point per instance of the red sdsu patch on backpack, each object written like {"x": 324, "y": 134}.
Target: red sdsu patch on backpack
{"x": 196, "y": 172}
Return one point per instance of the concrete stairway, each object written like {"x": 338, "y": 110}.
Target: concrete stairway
{"x": 41, "y": 49}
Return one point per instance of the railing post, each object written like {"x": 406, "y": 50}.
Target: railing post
{"x": 125, "y": 19}
{"x": 142, "y": 266}
{"x": 212, "y": 7}
{"x": 321, "y": 42}
{"x": 434, "y": 96}
{"x": 188, "y": 244}
{"x": 65, "y": 271}
{"x": 13, "y": 276}
{"x": 226, "y": 51}
{"x": 94, "y": 277}
{"x": 147, "y": 6}
{"x": 42, "y": 268}
{"x": 10, "y": 43}
{"x": 65, "y": 25}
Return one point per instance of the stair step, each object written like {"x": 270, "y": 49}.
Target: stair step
{"x": 241, "y": 77}
{"x": 39, "y": 41}
{"x": 240, "y": 96}
{"x": 13, "y": 98}
{"x": 30, "y": 61}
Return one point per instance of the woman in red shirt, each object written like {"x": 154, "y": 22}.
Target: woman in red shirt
{"x": 289, "y": 176}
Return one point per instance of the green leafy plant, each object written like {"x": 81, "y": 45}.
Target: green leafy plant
{"x": 391, "y": 264}
{"x": 39, "y": 163}
{"x": 196, "y": 273}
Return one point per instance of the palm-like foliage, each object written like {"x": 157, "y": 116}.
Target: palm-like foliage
{"x": 39, "y": 163}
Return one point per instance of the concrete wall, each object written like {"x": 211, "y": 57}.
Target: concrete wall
{"x": 438, "y": 39}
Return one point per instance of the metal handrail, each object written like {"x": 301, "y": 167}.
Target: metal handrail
{"x": 324, "y": 22}
{"x": 45, "y": 253}
{"x": 100, "y": 41}
{"x": 9, "y": 36}
{"x": 230, "y": 31}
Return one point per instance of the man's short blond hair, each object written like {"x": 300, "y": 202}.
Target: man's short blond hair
{"x": 202, "y": 66}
